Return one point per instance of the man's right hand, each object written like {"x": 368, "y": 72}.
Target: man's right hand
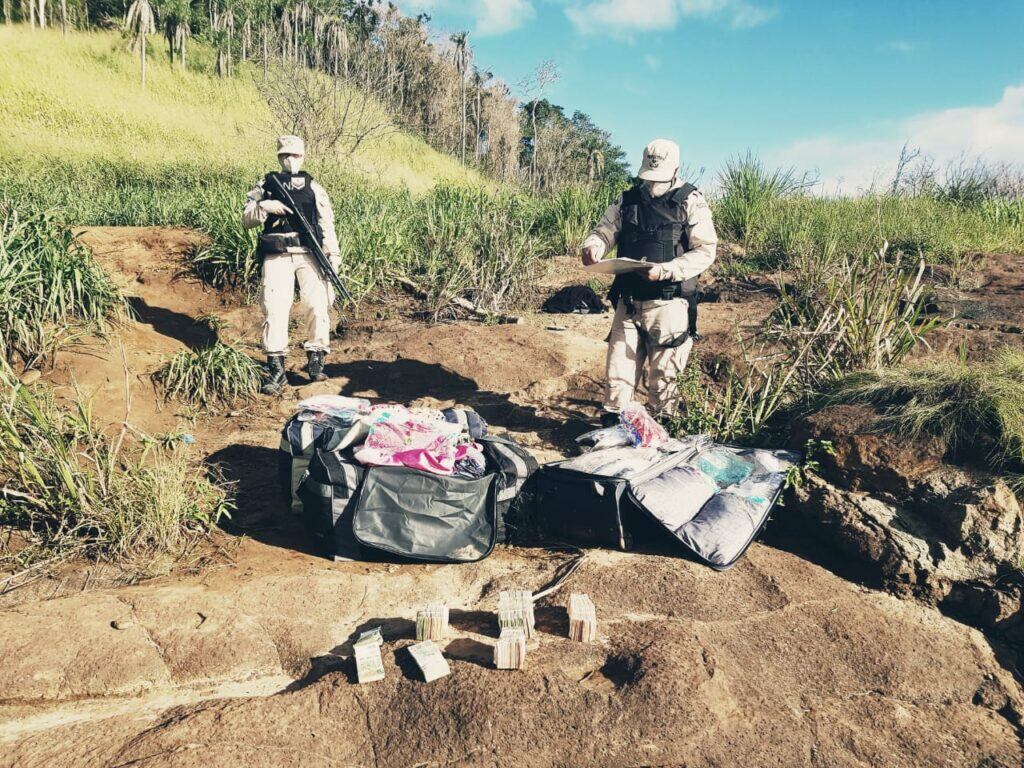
{"x": 591, "y": 254}
{"x": 275, "y": 207}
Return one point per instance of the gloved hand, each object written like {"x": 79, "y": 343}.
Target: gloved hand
{"x": 592, "y": 253}
{"x": 274, "y": 208}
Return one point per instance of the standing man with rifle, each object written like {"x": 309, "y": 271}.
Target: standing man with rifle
{"x": 298, "y": 243}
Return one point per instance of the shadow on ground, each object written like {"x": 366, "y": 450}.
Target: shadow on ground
{"x": 175, "y": 325}
{"x": 262, "y": 509}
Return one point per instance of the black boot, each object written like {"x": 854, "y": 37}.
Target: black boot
{"x": 273, "y": 377}
{"x": 315, "y": 365}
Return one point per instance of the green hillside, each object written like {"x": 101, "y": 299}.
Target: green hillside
{"x": 79, "y": 100}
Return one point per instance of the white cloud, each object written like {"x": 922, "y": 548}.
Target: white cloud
{"x": 619, "y": 18}
{"x": 496, "y": 17}
{"x": 901, "y": 46}
{"x": 653, "y": 62}
{"x": 994, "y": 132}
{"x": 490, "y": 17}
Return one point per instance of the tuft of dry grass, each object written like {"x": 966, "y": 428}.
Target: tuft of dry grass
{"x": 971, "y": 408}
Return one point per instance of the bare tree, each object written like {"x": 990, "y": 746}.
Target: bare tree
{"x": 463, "y": 54}
{"x": 335, "y": 119}
{"x": 480, "y": 80}
{"x": 535, "y": 87}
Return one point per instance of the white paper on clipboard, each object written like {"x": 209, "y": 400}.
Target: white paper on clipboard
{"x": 617, "y": 266}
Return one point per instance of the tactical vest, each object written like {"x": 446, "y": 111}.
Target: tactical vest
{"x": 305, "y": 201}
{"x": 654, "y": 230}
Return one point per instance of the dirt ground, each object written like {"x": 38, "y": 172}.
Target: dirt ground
{"x": 242, "y": 653}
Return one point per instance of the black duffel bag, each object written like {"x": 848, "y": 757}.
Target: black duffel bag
{"x": 354, "y": 511}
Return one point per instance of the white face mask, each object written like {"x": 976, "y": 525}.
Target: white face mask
{"x": 290, "y": 163}
{"x": 659, "y": 188}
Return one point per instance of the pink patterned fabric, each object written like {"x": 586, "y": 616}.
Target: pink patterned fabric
{"x": 649, "y": 433}
{"x": 400, "y": 437}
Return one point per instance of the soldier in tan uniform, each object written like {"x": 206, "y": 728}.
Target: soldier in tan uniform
{"x": 286, "y": 261}
{"x": 667, "y": 223}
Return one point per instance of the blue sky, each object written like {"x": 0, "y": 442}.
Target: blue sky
{"x": 836, "y": 87}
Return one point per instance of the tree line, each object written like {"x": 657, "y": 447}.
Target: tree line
{"x": 429, "y": 85}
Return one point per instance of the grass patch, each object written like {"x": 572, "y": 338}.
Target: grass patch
{"x": 220, "y": 374}
{"x": 50, "y": 286}
{"x": 78, "y": 99}
{"x": 75, "y": 489}
{"x": 851, "y": 314}
{"x": 783, "y": 227}
{"x": 977, "y": 410}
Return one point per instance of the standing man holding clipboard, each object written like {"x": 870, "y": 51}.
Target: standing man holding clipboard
{"x": 665, "y": 225}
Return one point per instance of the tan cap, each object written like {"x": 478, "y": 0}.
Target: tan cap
{"x": 661, "y": 161}
{"x": 290, "y": 145}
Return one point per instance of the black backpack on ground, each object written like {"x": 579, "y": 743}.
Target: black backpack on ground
{"x": 574, "y": 299}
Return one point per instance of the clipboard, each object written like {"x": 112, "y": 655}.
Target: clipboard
{"x": 617, "y": 266}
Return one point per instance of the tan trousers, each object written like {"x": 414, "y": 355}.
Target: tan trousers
{"x": 646, "y": 338}
{"x": 280, "y": 272}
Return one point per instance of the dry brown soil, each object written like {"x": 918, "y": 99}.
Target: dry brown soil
{"x": 243, "y": 657}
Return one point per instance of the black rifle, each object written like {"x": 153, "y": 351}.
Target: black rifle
{"x": 308, "y": 238}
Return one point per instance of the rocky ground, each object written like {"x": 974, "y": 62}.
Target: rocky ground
{"x": 833, "y": 644}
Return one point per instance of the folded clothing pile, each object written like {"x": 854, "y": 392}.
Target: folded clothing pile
{"x": 421, "y": 438}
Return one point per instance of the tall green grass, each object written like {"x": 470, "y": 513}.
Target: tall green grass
{"x": 74, "y": 488}
{"x": 750, "y": 191}
{"x": 220, "y": 374}
{"x": 854, "y": 313}
{"x": 50, "y": 285}
{"x": 977, "y": 410}
{"x": 783, "y": 227}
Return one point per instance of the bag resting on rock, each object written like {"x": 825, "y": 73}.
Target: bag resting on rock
{"x": 352, "y": 511}
{"x": 713, "y": 499}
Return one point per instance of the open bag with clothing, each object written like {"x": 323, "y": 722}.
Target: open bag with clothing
{"x": 425, "y": 484}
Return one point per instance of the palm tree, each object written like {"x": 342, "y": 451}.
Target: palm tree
{"x": 480, "y": 79}
{"x": 139, "y": 22}
{"x": 462, "y": 57}
{"x": 593, "y": 150}
{"x": 176, "y": 28}
{"x": 222, "y": 25}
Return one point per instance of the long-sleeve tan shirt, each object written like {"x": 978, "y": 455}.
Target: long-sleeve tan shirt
{"x": 700, "y": 230}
